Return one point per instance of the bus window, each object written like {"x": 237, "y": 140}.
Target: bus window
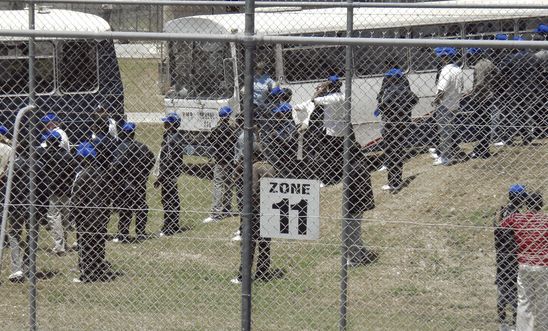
{"x": 423, "y": 58}
{"x": 482, "y": 30}
{"x": 309, "y": 63}
{"x": 196, "y": 69}
{"x": 14, "y": 67}
{"x": 78, "y": 66}
{"x": 376, "y": 60}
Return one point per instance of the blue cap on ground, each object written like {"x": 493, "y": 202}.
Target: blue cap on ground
{"x": 86, "y": 149}
{"x": 542, "y": 28}
{"x": 445, "y": 51}
{"x": 277, "y": 91}
{"x": 283, "y": 108}
{"x": 333, "y": 78}
{"x": 129, "y": 127}
{"x": 394, "y": 72}
{"x": 3, "y": 130}
{"x": 49, "y": 117}
{"x": 518, "y": 38}
{"x": 225, "y": 112}
{"x": 474, "y": 51}
{"x": 171, "y": 118}
{"x": 516, "y": 188}
{"x": 501, "y": 36}
{"x": 51, "y": 136}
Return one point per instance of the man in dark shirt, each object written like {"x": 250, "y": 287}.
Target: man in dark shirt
{"x": 132, "y": 166}
{"x": 223, "y": 139}
{"x": 171, "y": 167}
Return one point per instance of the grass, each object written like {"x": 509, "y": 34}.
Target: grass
{"x": 436, "y": 266}
{"x": 141, "y": 89}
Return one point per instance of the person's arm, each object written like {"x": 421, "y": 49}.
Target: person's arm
{"x": 328, "y": 99}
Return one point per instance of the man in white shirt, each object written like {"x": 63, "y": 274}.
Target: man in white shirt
{"x": 449, "y": 91}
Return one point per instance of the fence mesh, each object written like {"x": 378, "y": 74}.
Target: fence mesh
{"x": 138, "y": 155}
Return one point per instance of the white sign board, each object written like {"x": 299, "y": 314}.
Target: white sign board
{"x": 290, "y": 208}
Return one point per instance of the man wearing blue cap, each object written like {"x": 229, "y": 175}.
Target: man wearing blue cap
{"x": 280, "y": 149}
{"x": 171, "y": 167}
{"x": 223, "y": 141}
{"x": 505, "y": 253}
{"x": 449, "y": 91}
{"x": 60, "y": 167}
{"x": 396, "y": 101}
{"x": 90, "y": 211}
{"x": 482, "y": 99}
{"x": 262, "y": 84}
{"x": 132, "y": 166}
{"x": 51, "y": 124}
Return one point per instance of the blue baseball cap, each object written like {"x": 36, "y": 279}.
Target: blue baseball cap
{"x": 86, "y": 149}
{"x": 542, "y": 28}
{"x": 283, "y": 108}
{"x": 518, "y": 38}
{"x": 51, "y": 136}
{"x": 501, "y": 36}
{"x": 445, "y": 51}
{"x": 516, "y": 188}
{"x": 3, "y": 130}
{"x": 394, "y": 72}
{"x": 474, "y": 50}
{"x": 129, "y": 127}
{"x": 333, "y": 78}
{"x": 225, "y": 111}
{"x": 171, "y": 118}
{"x": 49, "y": 117}
{"x": 277, "y": 91}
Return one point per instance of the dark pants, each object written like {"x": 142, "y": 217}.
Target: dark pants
{"x": 136, "y": 204}
{"x": 394, "y": 137}
{"x": 172, "y": 205}
{"x": 263, "y": 259}
{"x": 507, "y": 297}
{"x": 483, "y": 112}
{"x": 516, "y": 120}
{"x": 92, "y": 230}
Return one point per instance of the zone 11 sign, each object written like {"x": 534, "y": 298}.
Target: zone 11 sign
{"x": 290, "y": 208}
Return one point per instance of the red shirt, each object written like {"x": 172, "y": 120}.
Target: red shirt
{"x": 531, "y": 235}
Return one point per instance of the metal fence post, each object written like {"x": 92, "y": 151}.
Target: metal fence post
{"x": 248, "y": 164}
{"x": 346, "y": 170}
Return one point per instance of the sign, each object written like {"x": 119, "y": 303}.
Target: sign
{"x": 290, "y": 208}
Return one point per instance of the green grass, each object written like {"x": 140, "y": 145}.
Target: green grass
{"x": 141, "y": 90}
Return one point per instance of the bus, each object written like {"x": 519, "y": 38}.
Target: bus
{"x": 207, "y": 75}
{"x": 72, "y": 76}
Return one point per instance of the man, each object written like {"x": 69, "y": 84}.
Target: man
{"x": 19, "y": 212}
{"x": 449, "y": 90}
{"x": 531, "y": 236}
{"x": 102, "y": 113}
{"x": 90, "y": 202}
{"x": 132, "y": 166}
{"x": 262, "y": 84}
{"x": 60, "y": 166}
{"x": 264, "y": 272}
{"x": 171, "y": 167}
{"x": 506, "y": 257}
{"x": 51, "y": 124}
{"x": 223, "y": 140}
{"x": 280, "y": 149}
{"x": 482, "y": 100}
{"x": 519, "y": 77}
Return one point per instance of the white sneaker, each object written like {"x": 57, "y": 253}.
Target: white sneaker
{"x": 210, "y": 220}
{"x": 236, "y": 281}
{"x": 76, "y": 280}
{"x": 16, "y": 277}
{"x": 322, "y": 185}
{"x": 387, "y": 188}
{"x": 237, "y": 233}
{"x": 434, "y": 155}
{"x": 383, "y": 168}
{"x": 115, "y": 240}
{"x": 500, "y": 144}
{"x": 236, "y": 238}
{"x": 439, "y": 161}
{"x": 431, "y": 150}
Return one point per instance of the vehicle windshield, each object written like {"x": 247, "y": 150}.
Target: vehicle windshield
{"x": 200, "y": 70}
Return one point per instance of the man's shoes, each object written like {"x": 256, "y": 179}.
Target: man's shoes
{"x": 17, "y": 277}
{"x": 237, "y": 238}
{"x": 383, "y": 168}
{"x": 503, "y": 143}
{"x": 433, "y": 153}
{"x": 121, "y": 239}
{"x": 268, "y": 275}
{"x": 236, "y": 280}
{"x": 444, "y": 162}
{"x": 389, "y": 188}
{"x": 211, "y": 219}
{"x": 365, "y": 257}
{"x": 475, "y": 155}
{"x": 142, "y": 237}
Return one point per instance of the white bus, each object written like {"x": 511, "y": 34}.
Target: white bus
{"x": 207, "y": 75}
{"x": 72, "y": 76}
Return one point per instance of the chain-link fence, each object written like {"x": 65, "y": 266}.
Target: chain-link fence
{"x": 422, "y": 129}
